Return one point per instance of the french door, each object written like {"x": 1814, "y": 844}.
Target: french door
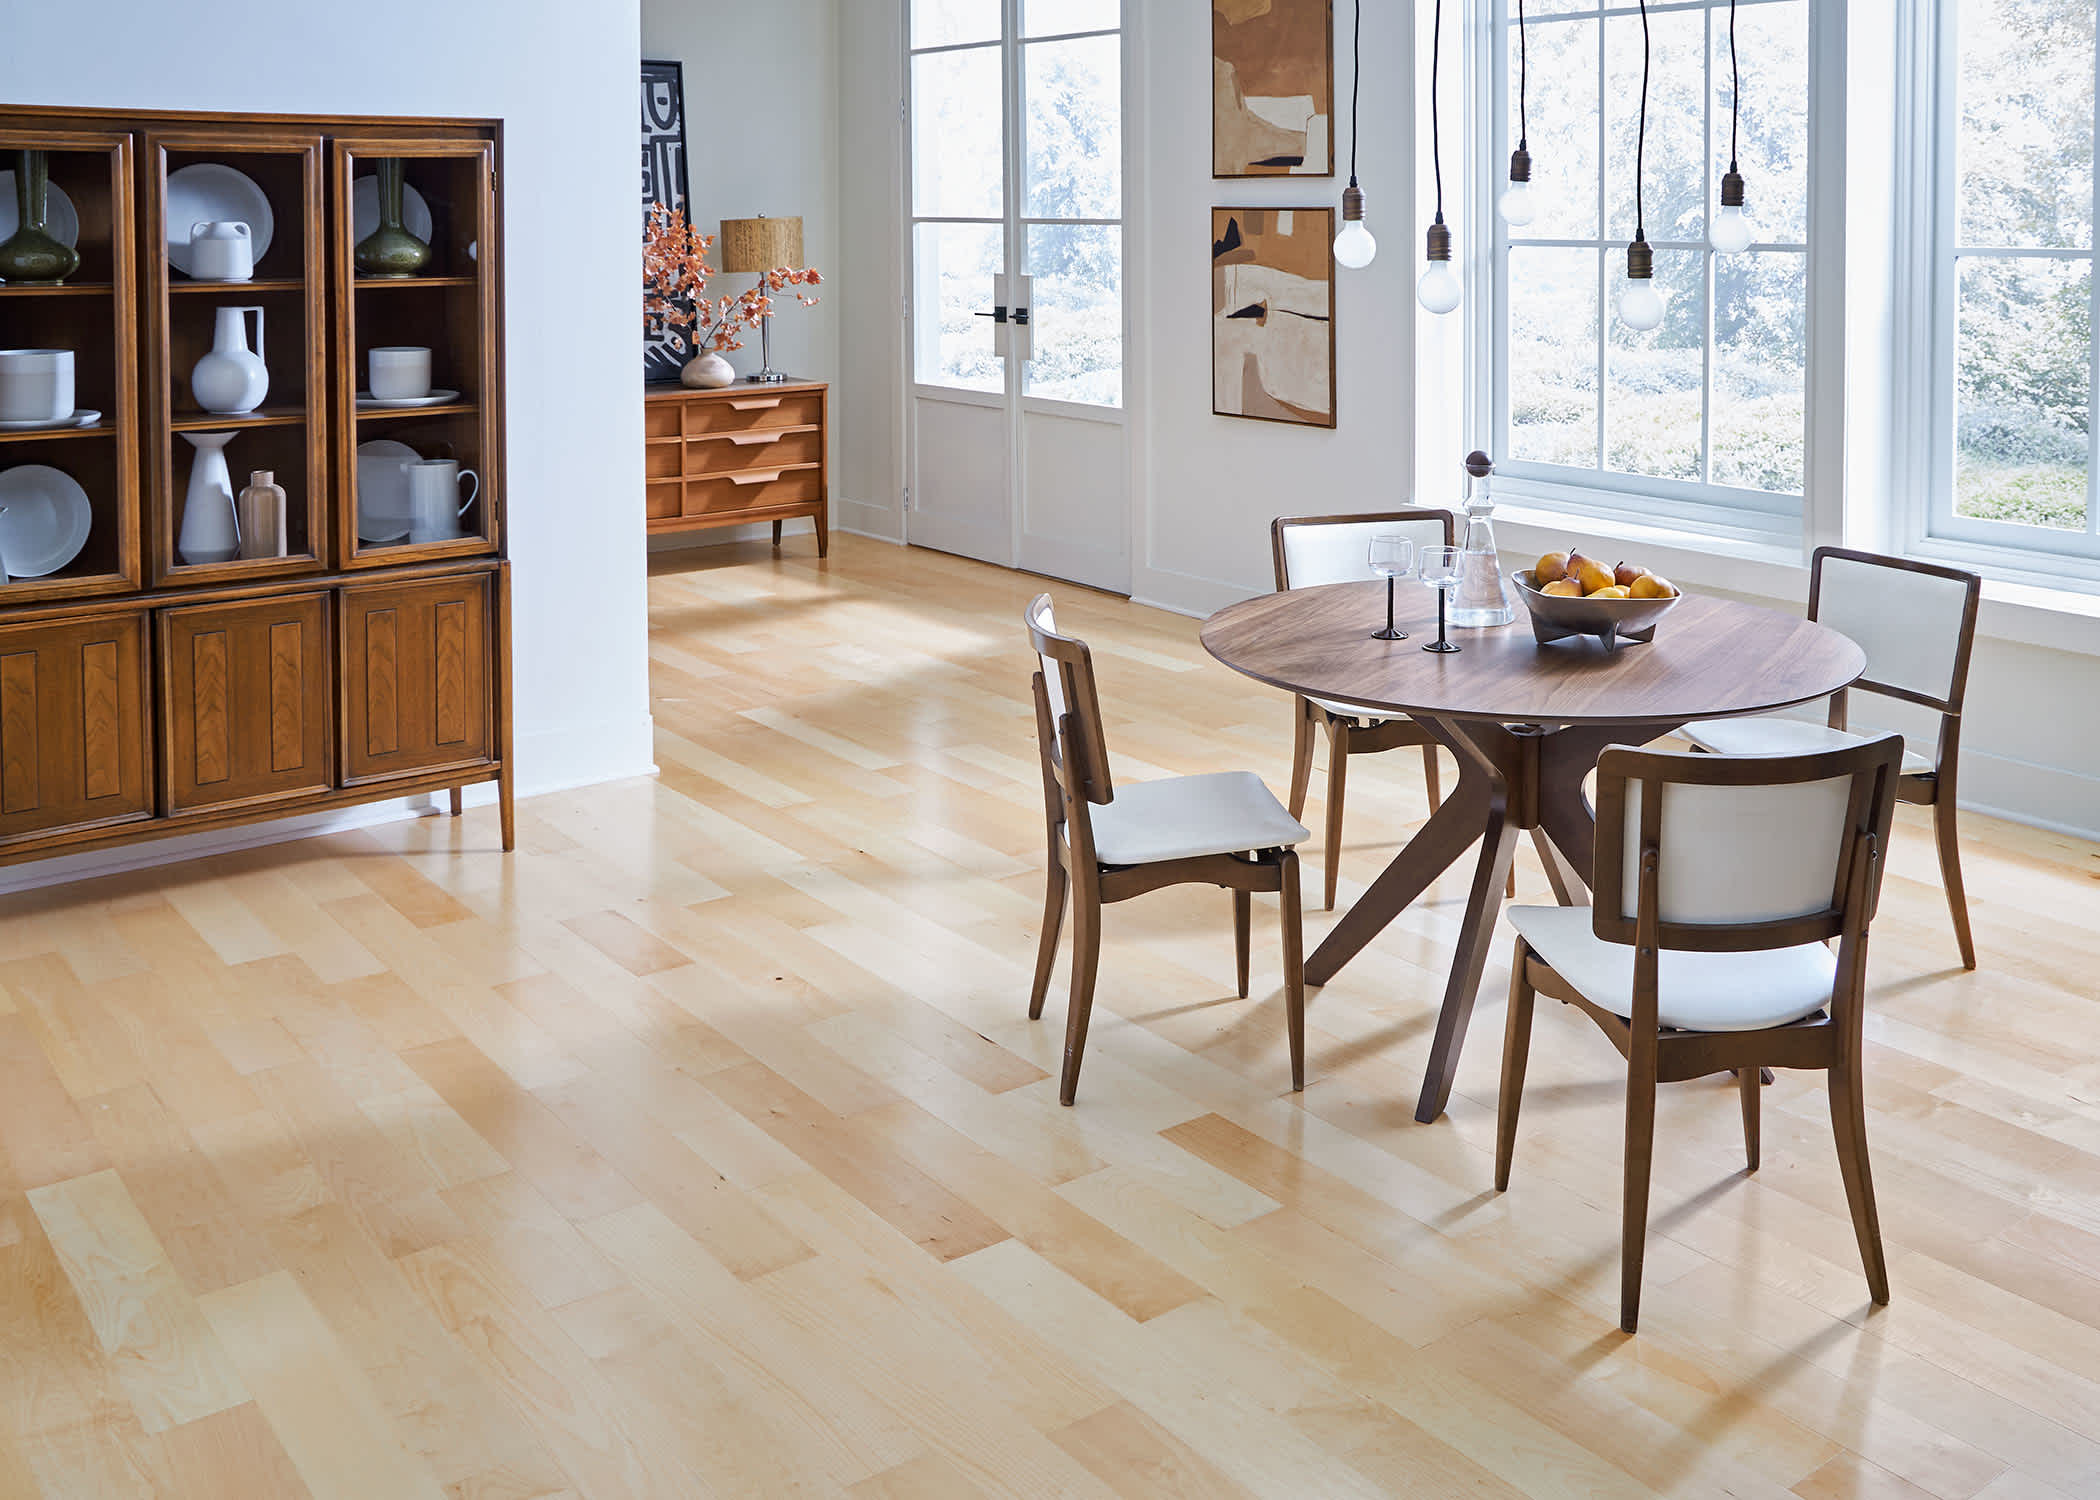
{"x": 1015, "y": 312}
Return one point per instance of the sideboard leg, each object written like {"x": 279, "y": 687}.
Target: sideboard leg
{"x": 776, "y": 533}
{"x": 823, "y": 534}
{"x": 507, "y": 807}
{"x": 458, "y": 801}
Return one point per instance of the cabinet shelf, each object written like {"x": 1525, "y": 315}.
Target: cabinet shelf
{"x": 395, "y": 283}
{"x": 65, "y": 289}
{"x": 398, "y": 413}
{"x": 259, "y": 284}
{"x": 269, "y": 416}
{"x": 47, "y": 434}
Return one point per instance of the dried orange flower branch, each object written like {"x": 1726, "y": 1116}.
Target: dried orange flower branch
{"x": 675, "y": 274}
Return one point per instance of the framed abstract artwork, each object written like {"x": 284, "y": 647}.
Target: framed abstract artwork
{"x": 664, "y": 181}
{"x": 1272, "y": 88}
{"x": 1272, "y": 314}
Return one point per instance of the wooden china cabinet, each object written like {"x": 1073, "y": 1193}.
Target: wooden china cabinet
{"x": 144, "y": 692}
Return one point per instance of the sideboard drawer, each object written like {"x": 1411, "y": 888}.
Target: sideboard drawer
{"x": 725, "y": 454}
{"x": 752, "y": 491}
{"x": 660, "y": 418}
{"x": 746, "y": 408}
{"x": 73, "y": 736}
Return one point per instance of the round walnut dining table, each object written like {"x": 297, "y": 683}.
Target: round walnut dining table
{"x": 1526, "y": 722}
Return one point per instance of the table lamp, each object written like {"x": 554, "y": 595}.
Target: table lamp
{"x": 758, "y": 246}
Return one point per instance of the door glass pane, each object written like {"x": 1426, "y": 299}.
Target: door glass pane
{"x": 1553, "y": 356}
{"x": 947, "y": 23}
{"x": 1076, "y": 312}
{"x": 1563, "y": 128}
{"x": 1772, "y": 140}
{"x": 1074, "y": 128}
{"x": 1758, "y": 415}
{"x": 956, "y": 141}
{"x": 1673, "y": 182}
{"x": 2023, "y": 343}
{"x": 1058, "y": 17}
{"x": 1654, "y": 380}
{"x": 953, "y": 266}
{"x": 2024, "y": 135}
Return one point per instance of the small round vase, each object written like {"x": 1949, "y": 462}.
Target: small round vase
{"x": 32, "y": 252}
{"x": 707, "y": 372}
{"x": 390, "y": 251}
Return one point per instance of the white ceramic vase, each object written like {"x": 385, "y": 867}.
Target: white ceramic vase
{"x": 232, "y": 379}
{"x": 209, "y": 531}
{"x": 707, "y": 372}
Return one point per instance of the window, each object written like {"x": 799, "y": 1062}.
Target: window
{"x": 2013, "y": 282}
{"x": 1703, "y": 417}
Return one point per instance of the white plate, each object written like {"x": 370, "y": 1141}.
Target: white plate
{"x": 59, "y": 215}
{"x": 212, "y": 190}
{"x": 364, "y": 210}
{"x": 81, "y": 418}
{"x": 382, "y": 490}
{"x": 46, "y": 521}
{"x": 438, "y": 396}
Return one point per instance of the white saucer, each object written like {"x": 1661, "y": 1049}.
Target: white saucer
{"x": 81, "y": 418}
{"x": 366, "y": 401}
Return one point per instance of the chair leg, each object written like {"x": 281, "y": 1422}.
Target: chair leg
{"x": 1337, "y": 779}
{"x": 1293, "y": 966}
{"x": 1429, "y": 776}
{"x": 1242, "y": 933}
{"x": 1516, "y": 1053}
{"x": 1302, "y": 756}
{"x": 1053, "y": 924}
{"x": 1086, "y": 958}
{"x": 1640, "y": 1158}
{"x": 1946, "y": 834}
{"x": 1848, "y": 1120}
{"x": 1750, "y": 1083}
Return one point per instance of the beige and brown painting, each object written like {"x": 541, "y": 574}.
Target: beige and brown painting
{"x": 1272, "y": 314}
{"x": 1272, "y": 88}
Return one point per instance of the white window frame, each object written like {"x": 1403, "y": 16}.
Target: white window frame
{"x": 1719, "y": 511}
{"x": 1925, "y": 387}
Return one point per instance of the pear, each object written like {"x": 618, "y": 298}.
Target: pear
{"x": 1611, "y": 591}
{"x": 1563, "y": 588}
{"x": 1588, "y": 572}
{"x": 1653, "y": 586}
{"x": 1550, "y": 568}
{"x": 1626, "y": 572}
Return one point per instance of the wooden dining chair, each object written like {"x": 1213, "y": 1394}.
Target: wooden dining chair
{"x": 1109, "y": 844}
{"x": 1917, "y": 623}
{"x": 1312, "y": 550}
{"x": 1719, "y": 883}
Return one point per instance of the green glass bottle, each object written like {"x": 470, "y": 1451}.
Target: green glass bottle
{"x": 32, "y": 252}
{"x": 390, "y": 250}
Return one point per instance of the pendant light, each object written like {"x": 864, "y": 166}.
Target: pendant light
{"x": 1439, "y": 290}
{"x": 1518, "y": 209}
{"x": 1732, "y": 230}
{"x": 1354, "y": 247}
{"x": 1640, "y": 304}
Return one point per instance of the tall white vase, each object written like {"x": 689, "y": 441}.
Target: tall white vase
{"x": 209, "y": 531}
{"x": 232, "y": 379}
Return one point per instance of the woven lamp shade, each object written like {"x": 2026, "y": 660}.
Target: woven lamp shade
{"x": 758, "y": 245}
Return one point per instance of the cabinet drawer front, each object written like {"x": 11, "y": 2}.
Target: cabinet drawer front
{"x": 748, "y": 408}
{"x": 751, "y": 491}
{"x": 415, "y": 677}
{"x": 725, "y": 454}
{"x": 248, "y": 690}
{"x": 73, "y": 737}
{"x": 662, "y": 418}
{"x": 661, "y": 459}
{"x": 663, "y": 499}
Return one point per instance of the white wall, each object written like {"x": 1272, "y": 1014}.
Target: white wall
{"x": 562, "y": 78}
{"x": 762, "y": 137}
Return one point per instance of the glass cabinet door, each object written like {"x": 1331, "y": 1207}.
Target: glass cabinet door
{"x": 415, "y": 246}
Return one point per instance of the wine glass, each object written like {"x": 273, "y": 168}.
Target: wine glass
{"x": 1392, "y": 557}
{"x": 1440, "y": 570}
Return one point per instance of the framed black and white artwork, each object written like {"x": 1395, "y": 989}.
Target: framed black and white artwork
{"x": 663, "y": 181}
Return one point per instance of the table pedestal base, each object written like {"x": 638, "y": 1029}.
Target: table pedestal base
{"x": 1512, "y": 779}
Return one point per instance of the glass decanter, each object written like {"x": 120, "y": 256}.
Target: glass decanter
{"x": 1483, "y": 598}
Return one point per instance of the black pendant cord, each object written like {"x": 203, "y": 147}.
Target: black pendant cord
{"x": 1436, "y": 146}
{"x": 1640, "y": 148}
{"x": 1524, "y": 78}
{"x": 1356, "y": 74}
{"x": 1735, "y": 88}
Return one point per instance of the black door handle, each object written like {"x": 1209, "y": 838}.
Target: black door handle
{"x": 998, "y": 315}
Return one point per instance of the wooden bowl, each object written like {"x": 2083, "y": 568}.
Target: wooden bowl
{"x": 1610, "y": 620}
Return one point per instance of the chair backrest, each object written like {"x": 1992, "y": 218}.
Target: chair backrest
{"x": 1068, "y": 710}
{"x": 1312, "y": 550}
{"x": 1737, "y": 853}
{"x": 1916, "y": 621}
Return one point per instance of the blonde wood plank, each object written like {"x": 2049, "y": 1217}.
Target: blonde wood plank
{"x": 232, "y": 1453}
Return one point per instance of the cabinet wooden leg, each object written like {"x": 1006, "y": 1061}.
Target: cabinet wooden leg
{"x": 458, "y": 800}
{"x": 823, "y": 534}
{"x": 507, "y": 807}
{"x": 776, "y": 533}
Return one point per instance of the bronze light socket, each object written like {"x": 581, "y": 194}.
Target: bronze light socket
{"x": 1640, "y": 261}
{"x": 1520, "y": 165}
{"x": 1731, "y": 189}
{"x": 1352, "y": 203}
{"x": 1439, "y": 241}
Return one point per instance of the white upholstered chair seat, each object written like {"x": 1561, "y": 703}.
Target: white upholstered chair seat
{"x": 1696, "y": 991}
{"x": 1343, "y": 710}
{"x": 1182, "y": 817}
{"x": 1768, "y": 736}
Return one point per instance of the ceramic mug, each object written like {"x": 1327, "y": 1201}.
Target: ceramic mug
{"x": 434, "y": 506}
{"x": 400, "y": 373}
{"x": 221, "y": 250}
{"x": 36, "y": 385}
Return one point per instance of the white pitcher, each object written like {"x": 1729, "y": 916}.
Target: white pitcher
{"x": 232, "y": 379}
{"x": 434, "y": 506}
{"x": 209, "y": 531}
{"x": 221, "y": 250}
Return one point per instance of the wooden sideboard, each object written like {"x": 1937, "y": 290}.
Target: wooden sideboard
{"x": 747, "y": 452}
{"x": 145, "y": 692}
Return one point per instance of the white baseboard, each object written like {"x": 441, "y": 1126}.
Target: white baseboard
{"x": 1186, "y": 593}
{"x": 883, "y": 523}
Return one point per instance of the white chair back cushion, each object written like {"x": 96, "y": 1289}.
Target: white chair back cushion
{"x": 1340, "y": 551}
{"x": 1053, "y": 679}
{"x": 1733, "y": 854}
{"x": 1909, "y": 624}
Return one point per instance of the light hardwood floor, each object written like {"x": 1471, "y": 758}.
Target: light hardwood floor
{"x": 703, "y": 1148}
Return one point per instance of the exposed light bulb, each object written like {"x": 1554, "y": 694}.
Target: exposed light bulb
{"x": 1518, "y": 206}
{"x": 1640, "y": 304}
{"x": 1732, "y": 231}
{"x": 1439, "y": 290}
{"x": 1354, "y": 247}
